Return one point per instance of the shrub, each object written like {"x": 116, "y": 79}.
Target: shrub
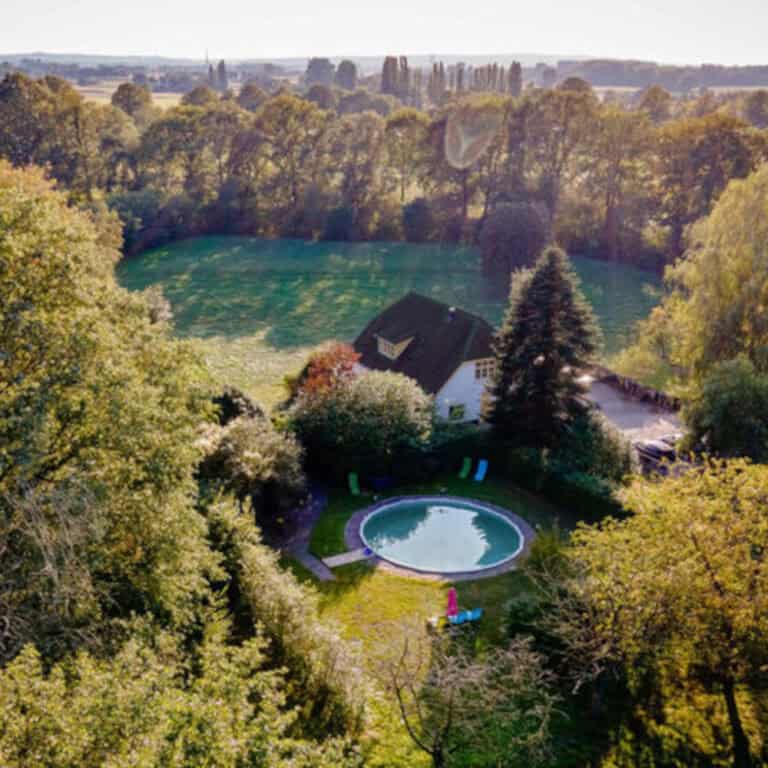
{"x": 512, "y": 236}
{"x": 594, "y": 447}
{"x": 329, "y": 367}
{"x": 369, "y": 423}
{"x": 418, "y": 221}
{"x": 251, "y": 459}
{"x": 325, "y": 672}
{"x": 340, "y": 224}
{"x": 729, "y": 412}
{"x": 547, "y": 553}
{"x": 137, "y": 211}
{"x": 591, "y": 498}
{"x": 232, "y": 404}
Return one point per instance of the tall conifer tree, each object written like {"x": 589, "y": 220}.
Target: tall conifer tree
{"x": 549, "y": 332}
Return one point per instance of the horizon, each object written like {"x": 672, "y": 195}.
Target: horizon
{"x": 653, "y": 31}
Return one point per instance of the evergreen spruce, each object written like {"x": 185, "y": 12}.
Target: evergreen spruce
{"x": 548, "y": 333}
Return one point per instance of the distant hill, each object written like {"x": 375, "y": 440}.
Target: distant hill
{"x": 605, "y": 73}
{"x": 364, "y": 63}
{"x": 96, "y": 60}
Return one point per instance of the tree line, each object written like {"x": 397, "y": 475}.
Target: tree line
{"x": 620, "y": 181}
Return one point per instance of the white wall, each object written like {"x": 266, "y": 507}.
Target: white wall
{"x": 462, "y": 389}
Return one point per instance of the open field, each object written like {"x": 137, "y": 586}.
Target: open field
{"x": 257, "y": 307}
{"x": 102, "y": 93}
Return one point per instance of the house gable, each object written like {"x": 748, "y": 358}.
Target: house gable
{"x": 461, "y": 398}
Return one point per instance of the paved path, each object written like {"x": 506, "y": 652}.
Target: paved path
{"x": 637, "y": 420}
{"x": 297, "y": 545}
{"x": 345, "y": 558}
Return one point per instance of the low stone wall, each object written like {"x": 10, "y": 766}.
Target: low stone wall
{"x": 636, "y": 390}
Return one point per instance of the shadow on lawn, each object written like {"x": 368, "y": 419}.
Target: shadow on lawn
{"x": 302, "y": 293}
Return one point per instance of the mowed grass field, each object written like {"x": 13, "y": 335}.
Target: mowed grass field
{"x": 257, "y": 307}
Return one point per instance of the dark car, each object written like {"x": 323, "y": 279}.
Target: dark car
{"x": 655, "y": 455}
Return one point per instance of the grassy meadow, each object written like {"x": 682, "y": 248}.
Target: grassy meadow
{"x": 102, "y": 91}
{"x": 256, "y": 307}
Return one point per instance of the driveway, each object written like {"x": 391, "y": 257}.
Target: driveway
{"x": 637, "y": 420}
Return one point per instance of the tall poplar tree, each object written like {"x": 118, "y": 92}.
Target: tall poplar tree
{"x": 548, "y": 333}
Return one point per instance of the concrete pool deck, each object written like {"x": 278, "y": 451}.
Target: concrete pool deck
{"x": 354, "y": 541}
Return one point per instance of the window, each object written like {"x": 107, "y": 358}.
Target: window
{"x": 484, "y": 368}
{"x": 456, "y": 412}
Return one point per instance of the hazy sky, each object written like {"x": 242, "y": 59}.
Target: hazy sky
{"x": 695, "y": 31}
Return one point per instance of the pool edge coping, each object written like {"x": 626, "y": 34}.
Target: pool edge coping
{"x": 353, "y": 539}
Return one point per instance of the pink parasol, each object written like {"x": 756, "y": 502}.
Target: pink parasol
{"x": 453, "y": 602}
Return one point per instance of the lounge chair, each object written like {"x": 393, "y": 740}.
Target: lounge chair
{"x": 439, "y": 623}
{"x": 466, "y": 468}
{"x": 482, "y": 468}
{"x": 466, "y": 617}
{"x": 354, "y": 484}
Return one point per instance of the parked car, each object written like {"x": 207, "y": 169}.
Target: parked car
{"x": 655, "y": 455}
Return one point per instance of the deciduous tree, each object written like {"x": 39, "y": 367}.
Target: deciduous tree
{"x": 680, "y": 587}
{"x": 456, "y": 708}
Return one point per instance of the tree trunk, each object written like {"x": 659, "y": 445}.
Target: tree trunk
{"x": 611, "y": 229}
{"x": 464, "y": 197}
{"x": 741, "y": 754}
{"x": 438, "y": 760}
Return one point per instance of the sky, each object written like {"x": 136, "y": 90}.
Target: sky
{"x": 672, "y": 31}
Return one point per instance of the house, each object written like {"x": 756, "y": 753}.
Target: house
{"x": 446, "y": 350}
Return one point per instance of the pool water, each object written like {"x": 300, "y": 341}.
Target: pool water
{"x": 441, "y": 536}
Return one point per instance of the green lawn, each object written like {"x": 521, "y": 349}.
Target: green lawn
{"x": 362, "y": 596}
{"x": 375, "y": 607}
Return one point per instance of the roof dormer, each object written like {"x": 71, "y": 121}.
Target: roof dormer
{"x": 390, "y": 349}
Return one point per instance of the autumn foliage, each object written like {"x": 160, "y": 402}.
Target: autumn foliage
{"x": 328, "y": 367}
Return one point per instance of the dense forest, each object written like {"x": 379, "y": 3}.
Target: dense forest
{"x": 448, "y": 156}
{"x": 145, "y": 617}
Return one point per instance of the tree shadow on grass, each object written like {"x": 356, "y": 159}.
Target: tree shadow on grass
{"x": 302, "y": 293}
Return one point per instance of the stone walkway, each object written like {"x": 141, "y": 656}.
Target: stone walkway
{"x": 297, "y": 545}
{"x": 353, "y": 556}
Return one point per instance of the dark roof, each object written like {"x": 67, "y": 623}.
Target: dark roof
{"x": 443, "y": 338}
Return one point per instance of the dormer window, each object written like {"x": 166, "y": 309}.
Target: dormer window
{"x": 484, "y": 368}
{"x": 391, "y": 350}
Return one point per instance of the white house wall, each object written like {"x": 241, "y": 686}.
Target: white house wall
{"x": 462, "y": 389}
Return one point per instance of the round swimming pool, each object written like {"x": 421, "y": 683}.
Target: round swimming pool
{"x": 439, "y": 535}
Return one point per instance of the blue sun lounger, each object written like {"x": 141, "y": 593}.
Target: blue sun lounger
{"x": 466, "y": 617}
{"x": 482, "y": 468}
